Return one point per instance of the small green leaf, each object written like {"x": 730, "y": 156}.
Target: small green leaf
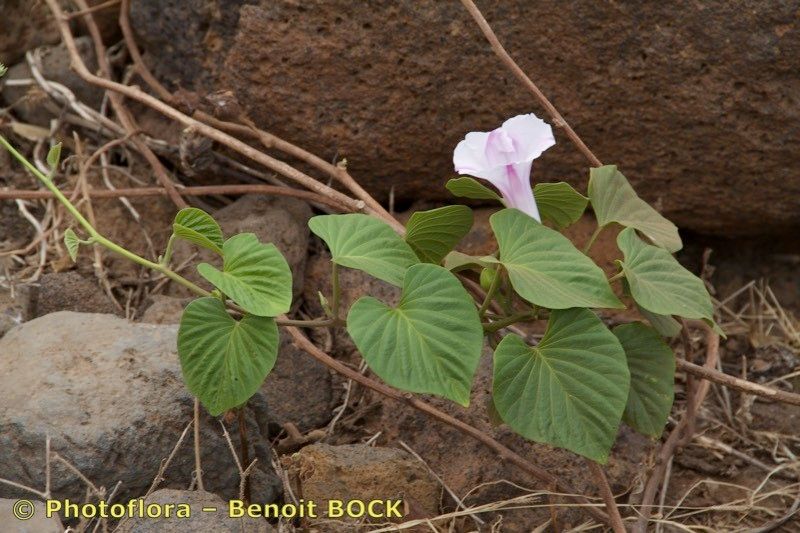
{"x": 54, "y": 157}
{"x": 659, "y": 283}
{"x": 559, "y": 203}
{"x": 198, "y": 227}
{"x": 432, "y": 234}
{"x": 569, "y": 390}
{"x": 430, "y": 343}
{"x": 254, "y": 275}
{"x": 457, "y": 261}
{"x": 614, "y": 200}
{"x": 224, "y": 361}
{"x": 3, "y": 70}
{"x": 652, "y": 367}
{"x": 365, "y": 243}
{"x": 467, "y": 187}
{"x": 72, "y": 242}
{"x": 545, "y": 268}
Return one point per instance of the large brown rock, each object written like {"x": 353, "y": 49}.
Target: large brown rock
{"x": 694, "y": 100}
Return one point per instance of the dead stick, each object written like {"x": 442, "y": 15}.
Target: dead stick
{"x": 206, "y": 190}
{"x": 502, "y": 451}
{"x": 123, "y": 114}
{"x": 507, "y": 60}
{"x": 676, "y": 436}
{"x": 346, "y": 203}
{"x": 742, "y": 385}
{"x": 608, "y": 496}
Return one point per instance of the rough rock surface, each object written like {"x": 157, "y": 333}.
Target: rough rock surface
{"x": 28, "y": 24}
{"x": 281, "y": 221}
{"x": 695, "y": 100}
{"x": 360, "y": 472}
{"x": 110, "y": 395}
{"x": 38, "y": 523}
{"x": 216, "y": 522}
{"x": 66, "y": 291}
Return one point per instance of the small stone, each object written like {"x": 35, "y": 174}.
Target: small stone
{"x": 360, "y": 472}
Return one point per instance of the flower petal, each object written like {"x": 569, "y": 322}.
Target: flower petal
{"x": 519, "y": 193}
{"x": 531, "y": 136}
{"x": 470, "y": 158}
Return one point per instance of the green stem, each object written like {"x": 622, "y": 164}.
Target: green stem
{"x": 93, "y": 233}
{"x": 491, "y": 327}
{"x": 168, "y": 252}
{"x": 592, "y": 239}
{"x": 336, "y": 297}
{"x": 616, "y": 276}
{"x": 490, "y": 294}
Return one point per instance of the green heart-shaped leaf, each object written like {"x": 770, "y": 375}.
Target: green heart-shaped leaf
{"x": 467, "y": 187}
{"x": 614, "y": 200}
{"x": 198, "y": 227}
{"x": 224, "y": 361}
{"x": 365, "y": 243}
{"x": 254, "y": 275}
{"x": 430, "y": 343}
{"x": 659, "y": 283}
{"x": 652, "y": 367}
{"x": 72, "y": 242}
{"x": 559, "y": 203}
{"x": 569, "y": 390}
{"x": 432, "y": 234}
{"x": 545, "y": 268}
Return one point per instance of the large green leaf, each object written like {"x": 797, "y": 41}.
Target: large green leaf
{"x": 652, "y": 367}
{"x": 467, "y": 187}
{"x": 432, "y": 234}
{"x": 659, "y": 283}
{"x": 430, "y": 343}
{"x": 614, "y": 200}
{"x": 254, "y": 275}
{"x": 569, "y": 390}
{"x": 559, "y": 203}
{"x": 198, "y": 227}
{"x": 224, "y": 361}
{"x": 365, "y": 243}
{"x": 545, "y": 268}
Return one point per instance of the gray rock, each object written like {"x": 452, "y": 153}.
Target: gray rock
{"x": 212, "y": 522}
{"x": 299, "y": 389}
{"x": 37, "y": 523}
{"x": 695, "y": 100}
{"x": 66, "y": 291}
{"x": 110, "y": 395}
{"x": 277, "y": 220}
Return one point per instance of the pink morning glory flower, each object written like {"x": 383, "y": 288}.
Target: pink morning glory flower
{"x": 503, "y": 157}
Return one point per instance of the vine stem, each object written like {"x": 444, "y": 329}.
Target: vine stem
{"x": 592, "y": 239}
{"x": 198, "y": 466}
{"x": 495, "y": 285}
{"x": 509, "y": 62}
{"x": 608, "y": 496}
